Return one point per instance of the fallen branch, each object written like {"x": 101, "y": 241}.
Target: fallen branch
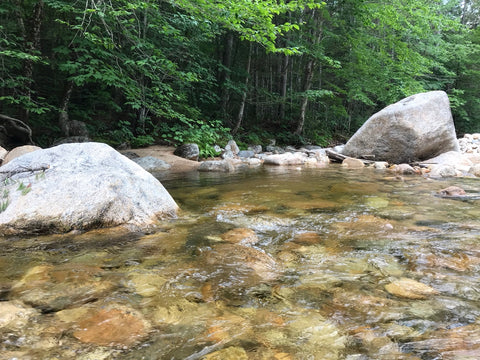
{"x": 6, "y": 174}
{"x": 337, "y": 157}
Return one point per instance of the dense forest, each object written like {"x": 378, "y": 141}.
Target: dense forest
{"x": 140, "y": 72}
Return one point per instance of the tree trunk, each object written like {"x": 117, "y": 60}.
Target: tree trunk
{"x": 308, "y": 76}
{"x": 225, "y": 73}
{"x": 63, "y": 120}
{"x": 316, "y": 37}
{"x": 32, "y": 45}
{"x": 283, "y": 87}
{"x": 244, "y": 94}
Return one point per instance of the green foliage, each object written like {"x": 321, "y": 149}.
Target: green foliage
{"x": 4, "y": 202}
{"x": 143, "y": 71}
{"x": 24, "y": 189}
{"x": 3, "y": 205}
{"x": 124, "y": 134}
{"x": 206, "y": 134}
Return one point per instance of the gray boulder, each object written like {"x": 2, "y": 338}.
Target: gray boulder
{"x": 416, "y": 128}
{"x": 232, "y": 145}
{"x": 246, "y": 153}
{"x": 188, "y": 151}
{"x": 79, "y": 186}
{"x": 152, "y": 164}
{"x": 217, "y": 166}
{"x": 288, "y": 158}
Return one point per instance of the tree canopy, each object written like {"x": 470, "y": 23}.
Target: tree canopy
{"x": 148, "y": 71}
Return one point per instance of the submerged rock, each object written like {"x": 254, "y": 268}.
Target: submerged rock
{"x": 242, "y": 260}
{"x": 79, "y": 186}
{"x": 416, "y": 128}
{"x": 112, "y": 326}
{"x": 53, "y": 288}
{"x": 452, "y": 191}
{"x": 231, "y": 353}
{"x": 410, "y": 289}
{"x": 15, "y": 314}
{"x": 241, "y": 236}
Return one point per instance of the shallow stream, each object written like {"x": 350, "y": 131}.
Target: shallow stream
{"x": 275, "y": 263}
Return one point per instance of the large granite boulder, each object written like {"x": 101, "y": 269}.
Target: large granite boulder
{"x": 78, "y": 186}
{"x": 416, "y": 128}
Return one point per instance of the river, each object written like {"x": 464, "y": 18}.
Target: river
{"x": 274, "y": 263}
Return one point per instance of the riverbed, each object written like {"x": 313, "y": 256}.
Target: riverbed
{"x": 273, "y": 263}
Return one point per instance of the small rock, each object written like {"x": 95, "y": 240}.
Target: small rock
{"x": 285, "y": 159}
{"x": 243, "y": 258}
{"x": 452, "y": 191}
{"x": 152, "y": 164}
{"x": 475, "y": 170}
{"x": 19, "y": 151}
{"x": 403, "y": 169}
{"x": 228, "y": 153}
{"x": 442, "y": 171}
{"x": 410, "y": 289}
{"x": 3, "y": 153}
{"x": 54, "y": 288}
{"x": 233, "y": 147}
{"x": 15, "y": 314}
{"x": 241, "y": 236}
{"x": 130, "y": 154}
{"x": 307, "y": 238}
{"x": 188, "y": 151}
{"x": 246, "y": 153}
{"x": 381, "y": 165}
{"x": 257, "y": 149}
{"x": 120, "y": 326}
{"x": 146, "y": 283}
{"x": 353, "y": 163}
{"x": 231, "y": 353}
{"x": 216, "y": 165}
{"x": 253, "y": 162}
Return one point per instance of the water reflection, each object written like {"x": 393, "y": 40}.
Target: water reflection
{"x": 271, "y": 263}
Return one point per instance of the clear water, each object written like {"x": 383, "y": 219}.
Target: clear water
{"x": 311, "y": 277}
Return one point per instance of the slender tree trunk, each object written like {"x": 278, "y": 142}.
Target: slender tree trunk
{"x": 32, "y": 45}
{"x": 283, "y": 86}
{"x": 309, "y": 71}
{"x": 63, "y": 119}
{"x": 225, "y": 73}
{"x": 244, "y": 94}
{"x": 308, "y": 76}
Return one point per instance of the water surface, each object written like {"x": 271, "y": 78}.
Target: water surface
{"x": 274, "y": 263}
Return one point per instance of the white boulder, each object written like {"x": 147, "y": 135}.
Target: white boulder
{"x": 79, "y": 186}
{"x": 416, "y": 128}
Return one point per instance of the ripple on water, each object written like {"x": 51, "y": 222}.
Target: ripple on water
{"x": 274, "y": 264}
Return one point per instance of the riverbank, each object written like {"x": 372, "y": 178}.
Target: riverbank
{"x": 165, "y": 153}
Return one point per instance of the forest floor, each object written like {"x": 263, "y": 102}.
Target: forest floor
{"x": 165, "y": 153}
